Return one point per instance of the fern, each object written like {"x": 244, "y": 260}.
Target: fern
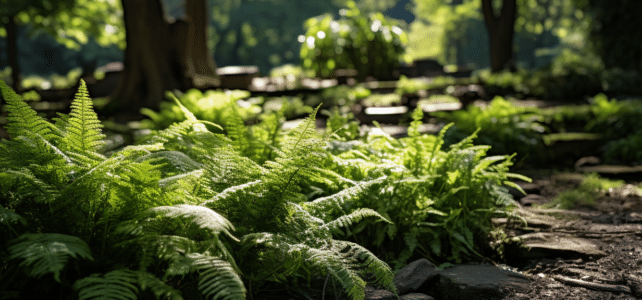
{"x": 44, "y": 253}
{"x": 22, "y": 119}
{"x": 217, "y": 278}
{"x": 83, "y": 130}
{"x": 117, "y": 284}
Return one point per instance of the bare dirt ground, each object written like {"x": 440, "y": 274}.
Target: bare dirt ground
{"x": 613, "y": 225}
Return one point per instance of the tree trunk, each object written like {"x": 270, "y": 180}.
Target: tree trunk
{"x": 501, "y": 30}
{"x": 12, "y": 52}
{"x": 200, "y": 63}
{"x": 154, "y": 58}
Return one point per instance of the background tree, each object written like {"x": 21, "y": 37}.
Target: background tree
{"x": 162, "y": 54}
{"x": 70, "y": 22}
{"x": 500, "y": 24}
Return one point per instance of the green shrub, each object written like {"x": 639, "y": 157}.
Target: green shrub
{"x": 502, "y": 125}
{"x": 439, "y": 202}
{"x": 372, "y": 45}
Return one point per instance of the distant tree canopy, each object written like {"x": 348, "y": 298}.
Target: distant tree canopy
{"x": 70, "y": 22}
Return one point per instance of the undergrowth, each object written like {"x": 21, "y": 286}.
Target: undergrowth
{"x": 191, "y": 214}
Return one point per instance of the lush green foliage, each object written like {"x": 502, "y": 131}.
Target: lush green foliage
{"x": 590, "y": 189}
{"x": 506, "y": 127}
{"x": 440, "y": 202}
{"x": 158, "y": 219}
{"x": 370, "y": 44}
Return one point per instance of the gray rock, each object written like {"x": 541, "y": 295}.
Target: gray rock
{"x": 479, "y": 282}
{"x": 413, "y": 276}
{"x": 531, "y": 199}
{"x": 373, "y": 294}
{"x": 416, "y": 296}
{"x": 552, "y": 244}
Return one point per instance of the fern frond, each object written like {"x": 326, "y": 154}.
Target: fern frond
{"x": 354, "y": 217}
{"x": 45, "y": 253}
{"x": 327, "y": 207}
{"x": 84, "y": 130}
{"x": 117, "y": 285}
{"x": 236, "y": 130}
{"x": 173, "y": 162}
{"x": 305, "y": 131}
{"x": 218, "y": 280}
{"x": 148, "y": 281}
{"x": 22, "y": 119}
{"x": 203, "y": 217}
{"x": 30, "y": 185}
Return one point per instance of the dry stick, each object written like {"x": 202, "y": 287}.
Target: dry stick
{"x": 593, "y": 285}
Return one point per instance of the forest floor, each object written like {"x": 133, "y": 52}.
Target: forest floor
{"x": 612, "y": 269}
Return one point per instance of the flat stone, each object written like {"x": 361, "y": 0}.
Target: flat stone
{"x": 531, "y": 199}
{"x": 412, "y": 277}
{"x": 479, "y": 282}
{"x": 374, "y": 294}
{"x": 552, "y": 244}
{"x": 416, "y": 296}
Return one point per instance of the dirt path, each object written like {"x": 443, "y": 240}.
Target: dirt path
{"x": 588, "y": 252}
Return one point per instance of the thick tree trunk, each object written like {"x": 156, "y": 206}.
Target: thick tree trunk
{"x": 200, "y": 62}
{"x": 12, "y": 52}
{"x": 501, "y": 30}
{"x": 154, "y": 60}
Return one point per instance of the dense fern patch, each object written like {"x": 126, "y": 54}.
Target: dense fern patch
{"x": 193, "y": 214}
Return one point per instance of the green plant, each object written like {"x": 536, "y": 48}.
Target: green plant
{"x": 502, "y": 125}
{"x": 410, "y": 86}
{"x": 590, "y": 189}
{"x": 372, "y": 45}
{"x": 625, "y": 150}
{"x": 439, "y": 202}
{"x": 157, "y": 219}
{"x": 212, "y": 106}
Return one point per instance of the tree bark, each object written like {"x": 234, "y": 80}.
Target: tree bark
{"x": 501, "y": 29}
{"x": 12, "y": 53}
{"x": 154, "y": 58}
{"x": 199, "y": 60}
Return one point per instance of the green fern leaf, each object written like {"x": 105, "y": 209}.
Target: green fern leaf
{"x": 115, "y": 285}
{"x": 204, "y": 217}
{"x": 218, "y": 280}
{"x": 236, "y": 130}
{"x": 47, "y": 253}
{"x": 148, "y": 281}
{"x": 326, "y": 207}
{"x": 22, "y": 119}
{"x": 354, "y": 217}
{"x": 84, "y": 130}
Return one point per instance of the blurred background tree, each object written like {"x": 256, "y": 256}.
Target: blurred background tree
{"x": 69, "y": 22}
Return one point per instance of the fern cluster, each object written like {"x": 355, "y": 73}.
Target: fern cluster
{"x": 187, "y": 214}
{"x": 439, "y": 203}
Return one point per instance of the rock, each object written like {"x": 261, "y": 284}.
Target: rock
{"x": 416, "y": 296}
{"x": 479, "y": 282}
{"x": 551, "y": 244}
{"x": 531, "y": 199}
{"x": 373, "y": 294}
{"x": 413, "y": 276}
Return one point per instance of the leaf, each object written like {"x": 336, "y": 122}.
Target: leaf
{"x": 8, "y": 217}
{"x": 218, "y": 280}
{"x": 202, "y": 216}
{"x": 118, "y": 285}
{"x": 22, "y": 119}
{"x": 47, "y": 253}
{"x": 354, "y": 217}
{"x": 83, "y": 130}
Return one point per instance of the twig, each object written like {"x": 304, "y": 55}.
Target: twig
{"x": 324, "y": 284}
{"x": 593, "y": 286}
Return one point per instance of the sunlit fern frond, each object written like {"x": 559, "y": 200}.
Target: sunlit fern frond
{"x": 329, "y": 207}
{"x": 217, "y": 278}
{"x": 44, "y": 253}
{"x": 236, "y": 130}
{"x": 352, "y": 218}
{"x": 22, "y": 119}
{"x": 117, "y": 285}
{"x": 203, "y": 217}
{"x": 148, "y": 281}
{"x": 172, "y": 162}
{"x": 84, "y": 130}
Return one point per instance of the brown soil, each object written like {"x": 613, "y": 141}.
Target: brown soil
{"x": 613, "y": 223}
